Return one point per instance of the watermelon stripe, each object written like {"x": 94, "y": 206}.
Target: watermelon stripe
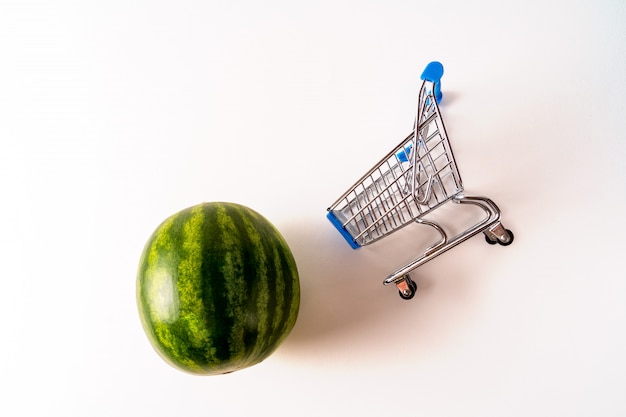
{"x": 190, "y": 282}
{"x": 291, "y": 290}
{"x": 215, "y": 288}
{"x": 257, "y": 264}
{"x": 235, "y": 285}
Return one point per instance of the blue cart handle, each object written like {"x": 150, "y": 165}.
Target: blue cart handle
{"x": 433, "y": 73}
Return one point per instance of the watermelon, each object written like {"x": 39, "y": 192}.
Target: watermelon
{"x": 217, "y": 288}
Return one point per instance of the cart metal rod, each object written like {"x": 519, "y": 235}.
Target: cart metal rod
{"x": 493, "y": 217}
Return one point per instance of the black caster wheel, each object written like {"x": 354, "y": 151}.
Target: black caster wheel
{"x": 490, "y": 241}
{"x": 507, "y": 243}
{"x": 410, "y": 292}
{"x": 493, "y": 242}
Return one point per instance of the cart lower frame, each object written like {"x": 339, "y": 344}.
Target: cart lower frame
{"x": 490, "y": 226}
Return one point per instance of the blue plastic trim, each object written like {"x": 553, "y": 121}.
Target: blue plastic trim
{"x": 404, "y": 154}
{"x": 433, "y": 73}
{"x": 347, "y": 236}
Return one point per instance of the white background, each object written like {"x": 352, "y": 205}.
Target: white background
{"x": 116, "y": 114}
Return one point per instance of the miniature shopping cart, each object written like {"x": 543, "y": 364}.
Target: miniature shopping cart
{"x": 416, "y": 178}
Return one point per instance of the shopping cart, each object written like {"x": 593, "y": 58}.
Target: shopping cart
{"x": 416, "y": 178}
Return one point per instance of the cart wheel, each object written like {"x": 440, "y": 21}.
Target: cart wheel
{"x": 493, "y": 242}
{"x": 511, "y": 237}
{"x": 410, "y": 292}
{"x": 489, "y": 240}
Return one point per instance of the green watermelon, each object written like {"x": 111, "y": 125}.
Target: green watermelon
{"x": 217, "y": 288}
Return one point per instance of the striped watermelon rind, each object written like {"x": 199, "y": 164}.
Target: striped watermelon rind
{"x": 217, "y": 288}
